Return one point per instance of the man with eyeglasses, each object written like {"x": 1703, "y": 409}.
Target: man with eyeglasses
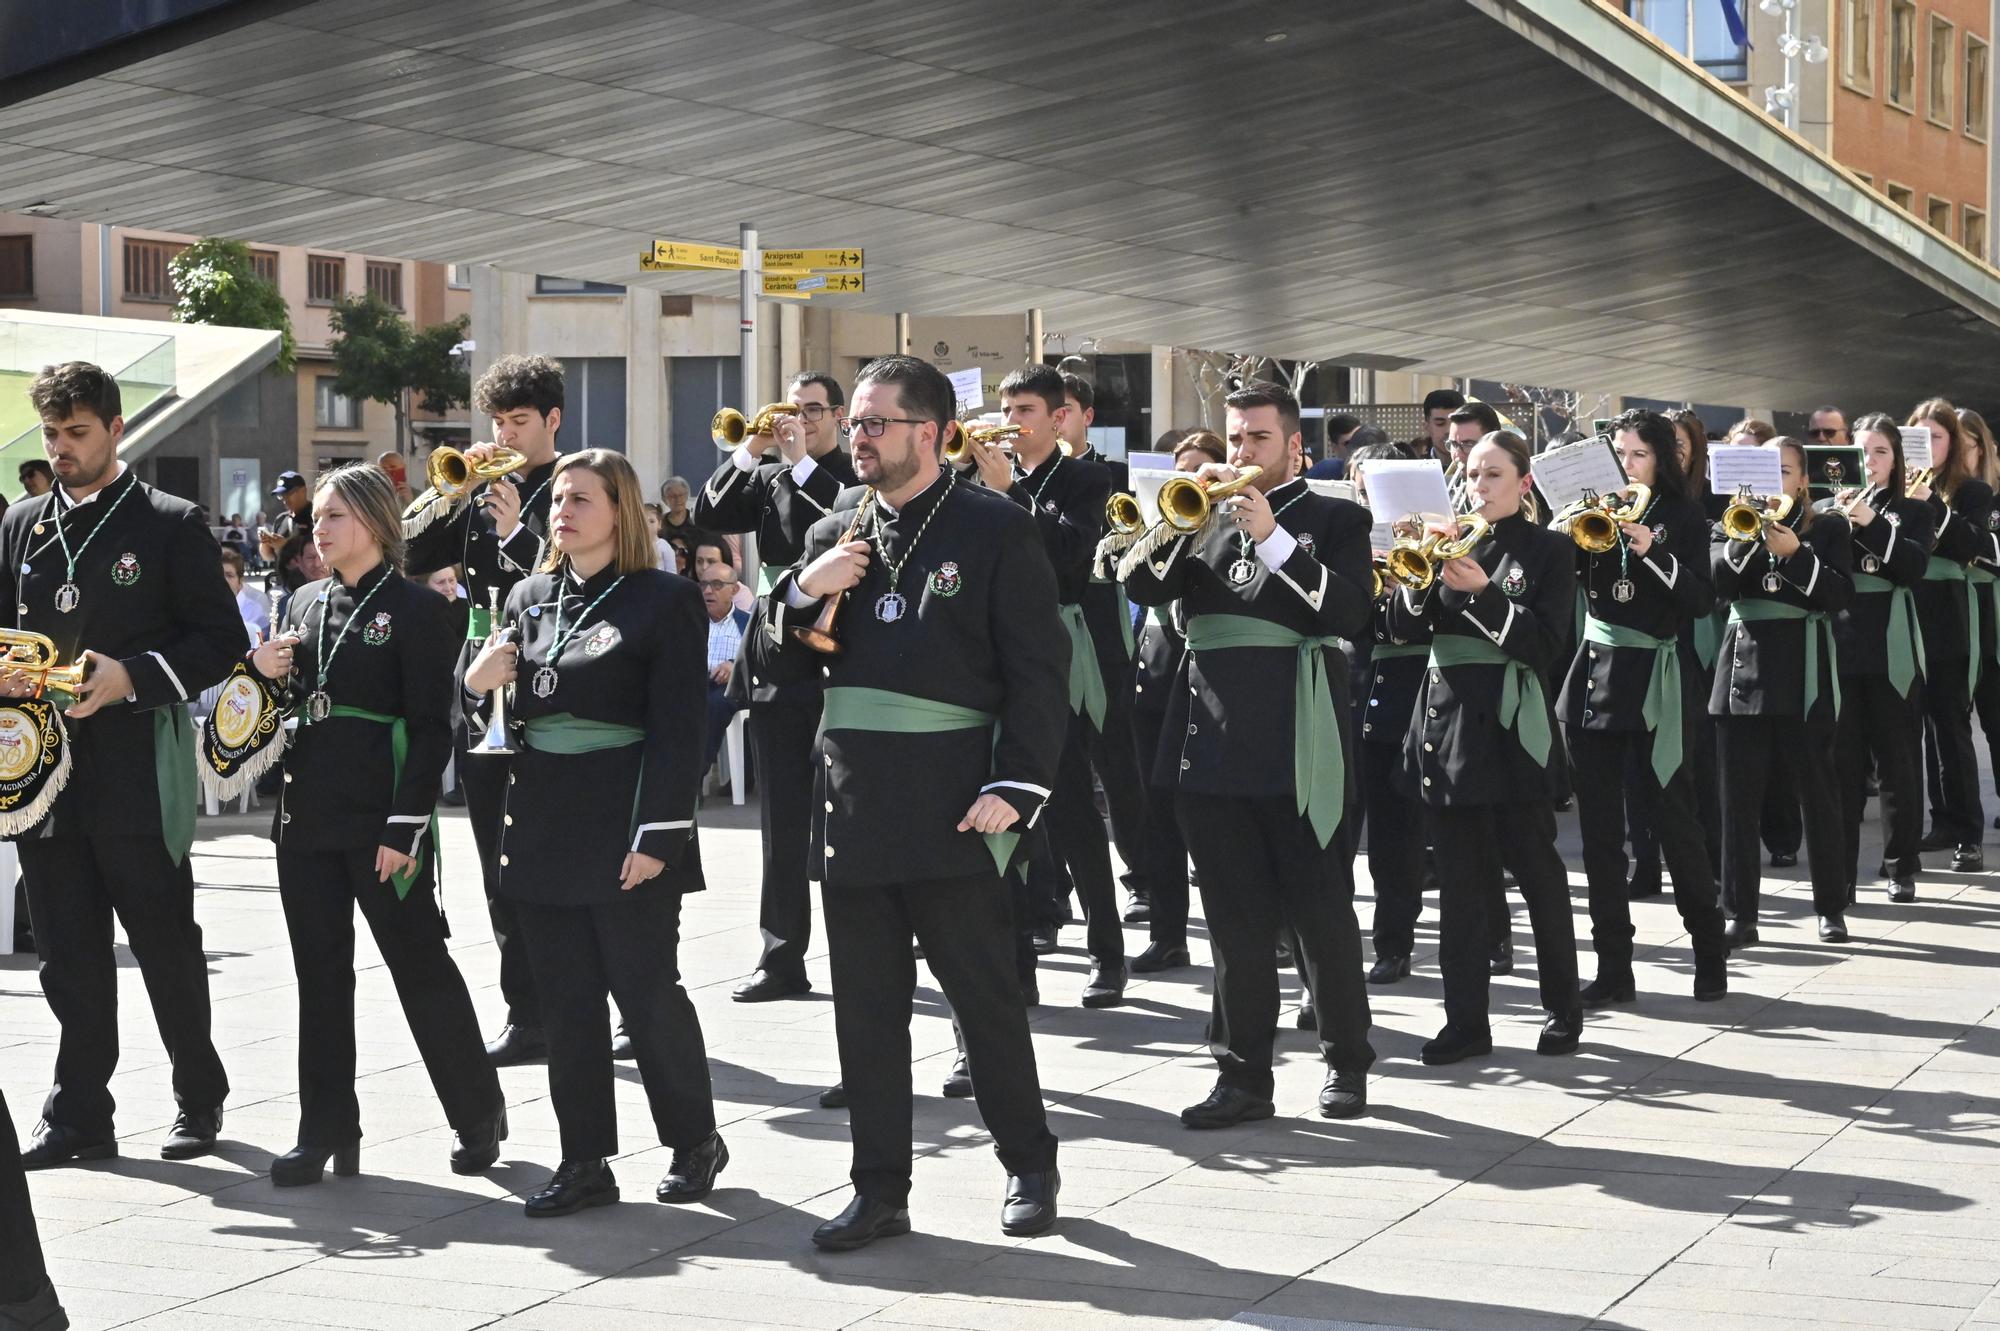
{"x": 1829, "y": 426}
{"x": 726, "y": 626}
{"x": 778, "y": 485}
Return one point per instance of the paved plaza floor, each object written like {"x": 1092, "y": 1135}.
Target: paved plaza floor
{"x": 1823, "y": 1148}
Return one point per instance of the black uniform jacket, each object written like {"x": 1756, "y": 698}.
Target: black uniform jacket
{"x": 153, "y": 598}
{"x": 340, "y": 788}
{"x": 1102, "y": 605}
{"x": 1067, "y": 496}
{"x": 1760, "y": 668}
{"x": 770, "y": 500}
{"x": 1896, "y": 546}
{"x": 979, "y": 631}
{"x": 1390, "y": 684}
{"x": 1157, "y": 662}
{"x": 467, "y": 539}
{"x": 1964, "y": 535}
{"x": 1606, "y": 686}
{"x": 1232, "y": 723}
{"x": 1457, "y": 752}
{"x": 639, "y": 659}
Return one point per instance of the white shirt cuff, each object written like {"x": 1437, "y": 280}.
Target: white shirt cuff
{"x": 803, "y": 469}
{"x": 744, "y": 458}
{"x": 1276, "y": 548}
{"x": 795, "y": 598}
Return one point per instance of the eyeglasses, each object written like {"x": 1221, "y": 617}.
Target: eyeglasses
{"x": 1824, "y": 432}
{"x": 814, "y": 411}
{"x": 717, "y": 584}
{"x": 872, "y": 426}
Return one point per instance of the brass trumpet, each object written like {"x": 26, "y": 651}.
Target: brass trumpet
{"x": 1185, "y": 502}
{"x": 954, "y": 447}
{"x": 1748, "y": 515}
{"x": 453, "y": 475}
{"x": 730, "y": 427}
{"x": 1592, "y": 521}
{"x": 1122, "y": 515}
{"x": 1414, "y": 561}
{"x": 34, "y": 655}
{"x": 1926, "y": 476}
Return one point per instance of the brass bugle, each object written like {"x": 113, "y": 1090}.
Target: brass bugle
{"x": 821, "y": 635}
{"x": 1185, "y": 502}
{"x": 1748, "y": 515}
{"x": 1592, "y": 521}
{"x": 954, "y": 446}
{"x": 730, "y": 427}
{"x": 453, "y": 475}
{"x": 1414, "y": 562}
{"x": 34, "y": 655}
{"x": 1122, "y": 515}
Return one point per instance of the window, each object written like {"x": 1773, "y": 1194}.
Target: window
{"x": 1857, "y": 44}
{"x": 386, "y": 280}
{"x": 1901, "y": 196}
{"x": 1902, "y": 53}
{"x": 1977, "y": 64}
{"x": 1938, "y": 99}
{"x": 146, "y": 275}
{"x": 1697, "y": 29}
{"x": 574, "y": 286}
{"x": 1938, "y": 213}
{"x": 1864, "y": 177}
{"x": 1975, "y": 231}
{"x": 17, "y": 267}
{"x": 326, "y": 279}
{"x": 594, "y": 402}
{"x": 458, "y": 276}
{"x": 333, "y": 410}
{"x": 265, "y": 264}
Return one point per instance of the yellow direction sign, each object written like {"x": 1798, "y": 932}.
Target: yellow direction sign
{"x": 688, "y": 254}
{"x": 802, "y": 284}
{"x": 785, "y": 261}
{"x": 648, "y": 264}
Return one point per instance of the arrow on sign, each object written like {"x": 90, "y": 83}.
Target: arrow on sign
{"x": 800, "y": 260}
{"x": 689, "y": 254}
{"x": 648, "y": 264}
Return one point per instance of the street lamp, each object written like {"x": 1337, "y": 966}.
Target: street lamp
{"x": 1782, "y": 101}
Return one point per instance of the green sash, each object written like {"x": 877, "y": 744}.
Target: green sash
{"x": 1906, "y": 643}
{"x": 1707, "y": 635}
{"x": 479, "y": 624}
{"x": 1818, "y": 627}
{"x": 562, "y": 732}
{"x": 1086, "y": 681}
{"x": 1524, "y": 708}
{"x": 399, "y": 748}
{"x": 1662, "y": 708}
{"x": 1941, "y": 569}
{"x": 174, "y": 773}
{"x": 886, "y": 712}
{"x": 1983, "y": 586}
{"x": 1319, "y": 777}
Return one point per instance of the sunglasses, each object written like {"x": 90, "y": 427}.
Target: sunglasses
{"x": 1824, "y": 432}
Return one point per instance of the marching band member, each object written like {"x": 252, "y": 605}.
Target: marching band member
{"x": 943, "y": 723}
{"x": 128, "y": 579}
{"x": 367, "y": 657}
{"x": 780, "y": 497}
{"x": 1481, "y": 752}
{"x": 597, "y": 839}
{"x": 1985, "y": 578}
{"x": 1624, "y": 710}
{"x": 1777, "y": 694}
{"x": 497, "y": 539}
{"x": 1881, "y": 659}
{"x": 1267, "y": 593}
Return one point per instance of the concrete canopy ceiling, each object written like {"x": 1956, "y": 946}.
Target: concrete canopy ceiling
{"x": 1518, "y": 189}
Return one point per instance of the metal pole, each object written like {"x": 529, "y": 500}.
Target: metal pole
{"x": 1791, "y": 68}
{"x": 1034, "y": 356}
{"x": 747, "y": 300}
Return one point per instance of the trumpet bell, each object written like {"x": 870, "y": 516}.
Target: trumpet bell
{"x": 730, "y": 427}
{"x": 1122, "y": 515}
{"x": 1414, "y": 562}
{"x": 1185, "y": 502}
{"x": 1594, "y": 530}
{"x": 1748, "y": 516}
{"x": 954, "y": 447}
{"x": 453, "y": 475}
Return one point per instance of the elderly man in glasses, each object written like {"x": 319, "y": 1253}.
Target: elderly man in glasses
{"x": 1829, "y": 426}
{"x": 726, "y": 627}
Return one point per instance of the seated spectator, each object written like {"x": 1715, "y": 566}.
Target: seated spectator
{"x": 660, "y": 548}
{"x": 726, "y": 625}
{"x": 250, "y": 603}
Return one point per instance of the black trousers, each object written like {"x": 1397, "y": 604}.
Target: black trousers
{"x": 75, "y": 887}
{"x": 965, "y": 927}
{"x": 1952, "y": 763}
{"x": 1780, "y": 823}
{"x": 1395, "y": 851}
{"x": 320, "y": 890}
{"x": 484, "y": 781}
{"x": 1875, "y": 720}
{"x": 720, "y": 712}
{"x": 1163, "y": 859}
{"x": 1261, "y": 870}
{"x": 629, "y": 947}
{"x": 1605, "y": 764}
{"x": 782, "y": 737}
{"x": 1986, "y": 702}
{"x": 22, "y": 1270}
{"x": 1750, "y": 749}
{"x": 1077, "y": 844}
{"x": 1473, "y": 844}
{"x": 1114, "y": 755}
{"x": 1699, "y": 729}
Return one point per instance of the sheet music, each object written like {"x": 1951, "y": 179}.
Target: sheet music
{"x": 1733, "y": 466}
{"x": 1564, "y": 474}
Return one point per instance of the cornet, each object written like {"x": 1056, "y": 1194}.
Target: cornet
{"x": 1414, "y": 561}
{"x": 1122, "y": 515}
{"x": 730, "y": 427}
{"x": 1185, "y": 502}
{"x": 34, "y": 655}
{"x": 1856, "y": 500}
{"x": 954, "y": 447}
{"x": 1592, "y": 521}
{"x": 452, "y": 475}
{"x": 1926, "y": 476}
{"x": 1749, "y": 515}
{"x": 496, "y": 739}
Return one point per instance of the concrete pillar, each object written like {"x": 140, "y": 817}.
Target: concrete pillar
{"x": 1164, "y": 416}
{"x": 645, "y": 388}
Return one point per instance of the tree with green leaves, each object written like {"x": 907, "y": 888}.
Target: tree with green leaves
{"x": 378, "y": 356}
{"x": 217, "y": 284}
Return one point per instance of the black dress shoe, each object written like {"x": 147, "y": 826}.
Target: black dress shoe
{"x": 1781, "y": 859}
{"x": 1903, "y": 889}
{"x": 1449, "y": 1046}
{"x": 1048, "y": 937}
{"x": 764, "y": 986}
{"x": 1161, "y": 957}
{"x": 1645, "y": 881}
{"x": 1345, "y": 1095}
{"x": 1308, "y": 1018}
{"x": 1606, "y": 990}
{"x": 1388, "y": 970}
{"x": 1561, "y": 1033}
{"x": 691, "y": 1173}
{"x": 57, "y": 1145}
{"x": 958, "y": 1082}
{"x": 1225, "y": 1107}
{"x": 1832, "y": 928}
{"x": 1735, "y": 934}
{"x": 834, "y": 1096}
{"x": 1711, "y": 978}
{"x": 1138, "y": 908}
{"x": 40, "y": 1311}
{"x": 305, "y": 1165}
{"x": 1501, "y": 962}
{"x": 480, "y": 1148}
{"x": 864, "y": 1221}
{"x": 1969, "y": 858}
{"x": 1107, "y": 985}
{"x": 516, "y": 1045}
{"x": 621, "y": 1046}
{"x": 1030, "y": 1207}
{"x": 576, "y": 1185}
{"x": 193, "y": 1133}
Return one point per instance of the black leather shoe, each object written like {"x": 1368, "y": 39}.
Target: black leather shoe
{"x": 1606, "y": 990}
{"x": 1561, "y": 1033}
{"x": 1903, "y": 889}
{"x": 1449, "y": 1046}
{"x": 1711, "y": 978}
{"x": 1308, "y": 1018}
{"x": 1225, "y": 1107}
{"x": 1736, "y": 934}
{"x": 864, "y": 1221}
{"x": 193, "y": 1133}
{"x": 575, "y": 1186}
{"x": 958, "y": 1082}
{"x": 1107, "y": 985}
{"x": 764, "y": 986}
{"x": 1502, "y": 960}
{"x": 56, "y": 1145}
{"x": 1160, "y": 957}
{"x": 1832, "y": 928}
{"x": 516, "y": 1045}
{"x": 1048, "y": 937}
{"x": 834, "y": 1096}
{"x": 1784, "y": 859}
{"x": 1969, "y": 858}
{"x": 1345, "y": 1095}
{"x": 1030, "y": 1207}
{"x": 1138, "y": 908}
{"x": 305, "y": 1165}
{"x": 1645, "y": 881}
{"x": 621, "y": 1046}
{"x": 40, "y": 1311}
{"x": 691, "y": 1173}
{"x": 480, "y": 1148}
{"x": 1388, "y": 970}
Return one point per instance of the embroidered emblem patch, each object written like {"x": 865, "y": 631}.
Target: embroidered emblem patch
{"x": 1660, "y": 531}
{"x": 947, "y": 580}
{"x": 1515, "y": 582}
{"x": 126, "y": 571}
{"x": 1305, "y": 541}
{"x": 601, "y": 641}
{"x": 377, "y": 631}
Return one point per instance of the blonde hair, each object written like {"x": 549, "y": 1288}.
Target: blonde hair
{"x": 634, "y": 549}
{"x": 1954, "y": 470}
{"x": 1989, "y": 452}
{"x": 369, "y": 493}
